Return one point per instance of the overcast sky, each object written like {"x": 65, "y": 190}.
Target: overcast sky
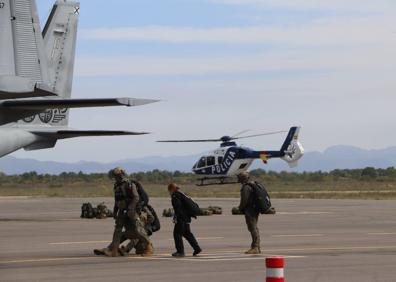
{"x": 222, "y": 66}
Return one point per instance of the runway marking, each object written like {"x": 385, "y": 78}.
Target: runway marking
{"x": 304, "y": 213}
{"x": 297, "y": 235}
{"x": 79, "y": 243}
{"x": 46, "y": 260}
{"x": 203, "y": 258}
{"x": 204, "y": 238}
{"x": 384, "y": 233}
{"x": 334, "y": 248}
{"x": 213, "y": 257}
{"x": 221, "y": 255}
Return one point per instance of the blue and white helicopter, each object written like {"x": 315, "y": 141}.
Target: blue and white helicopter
{"x": 221, "y": 165}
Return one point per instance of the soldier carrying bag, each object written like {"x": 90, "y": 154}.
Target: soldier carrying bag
{"x": 144, "y": 198}
{"x": 191, "y": 206}
{"x": 261, "y": 198}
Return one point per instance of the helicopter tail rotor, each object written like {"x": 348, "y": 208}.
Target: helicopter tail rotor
{"x": 292, "y": 148}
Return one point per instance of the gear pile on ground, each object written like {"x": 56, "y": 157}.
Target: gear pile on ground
{"x": 216, "y": 210}
{"x": 168, "y": 213}
{"x": 236, "y": 211}
{"x": 212, "y": 210}
{"x": 100, "y": 212}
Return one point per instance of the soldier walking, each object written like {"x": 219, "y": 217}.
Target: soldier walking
{"x": 251, "y": 213}
{"x": 126, "y": 215}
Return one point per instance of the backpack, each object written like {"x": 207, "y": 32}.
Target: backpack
{"x": 191, "y": 206}
{"x": 87, "y": 211}
{"x": 156, "y": 224}
{"x": 261, "y": 198}
{"x": 144, "y": 197}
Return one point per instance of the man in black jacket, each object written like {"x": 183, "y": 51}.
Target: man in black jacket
{"x": 182, "y": 220}
{"x": 251, "y": 213}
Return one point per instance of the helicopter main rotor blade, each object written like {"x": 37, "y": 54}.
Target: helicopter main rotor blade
{"x": 240, "y": 133}
{"x": 262, "y": 134}
{"x": 189, "y": 141}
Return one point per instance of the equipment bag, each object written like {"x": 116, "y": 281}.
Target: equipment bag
{"x": 144, "y": 198}
{"x": 191, "y": 206}
{"x": 262, "y": 200}
{"x": 156, "y": 225}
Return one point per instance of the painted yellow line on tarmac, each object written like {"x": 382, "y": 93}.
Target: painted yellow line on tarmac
{"x": 46, "y": 260}
{"x": 79, "y": 243}
{"x": 296, "y": 235}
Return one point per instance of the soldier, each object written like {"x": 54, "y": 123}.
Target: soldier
{"x": 247, "y": 207}
{"x": 126, "y": 215}
{"x": 182, "y": 220}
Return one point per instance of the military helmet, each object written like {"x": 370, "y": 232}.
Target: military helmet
{"x": 243, "y": 177}
{"x": 118, "y": 171}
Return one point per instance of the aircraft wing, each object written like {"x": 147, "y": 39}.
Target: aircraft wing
{"x": 43, "y": 104}
{"x": 71, "y": 133}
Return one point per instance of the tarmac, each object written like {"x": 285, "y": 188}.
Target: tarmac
{"x": 43, "y": 239}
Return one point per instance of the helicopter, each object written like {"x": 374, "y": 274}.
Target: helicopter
{"x": 223, "y": 164}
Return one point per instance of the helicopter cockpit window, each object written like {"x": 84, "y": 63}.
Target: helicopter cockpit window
{"x": 220, "y": 160}
{"x": 210, "y": 161}
{"x": 201, "y": 162}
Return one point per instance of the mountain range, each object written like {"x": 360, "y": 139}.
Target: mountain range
{"x": 342, "y": 157}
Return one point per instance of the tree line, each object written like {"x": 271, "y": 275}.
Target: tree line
{"x": 164, "y": 177}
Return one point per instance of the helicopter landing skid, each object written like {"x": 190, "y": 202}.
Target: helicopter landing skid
{"x": 215, "y": 181}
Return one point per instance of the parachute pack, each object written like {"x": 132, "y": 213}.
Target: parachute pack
{"x": 144, "y": 197}
{"x": 191, "y": 206}
{"x": 262, "y": 200}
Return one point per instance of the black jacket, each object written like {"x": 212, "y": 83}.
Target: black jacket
{"x": 181, "y": 214}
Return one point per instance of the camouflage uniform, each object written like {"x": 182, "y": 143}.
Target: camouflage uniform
{"x": 251, "y": 215}
{"x": 127, "y": 216}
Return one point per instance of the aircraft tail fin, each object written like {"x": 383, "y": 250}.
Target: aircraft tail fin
{"x": 292, "y": 148}
{"x": 60, "y": 36}
{"x": 23, "y": 66}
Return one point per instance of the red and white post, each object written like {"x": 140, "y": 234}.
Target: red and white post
{"x": 275, "y": 266}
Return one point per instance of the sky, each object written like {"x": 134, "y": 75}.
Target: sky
{"x": 223, "y": 66}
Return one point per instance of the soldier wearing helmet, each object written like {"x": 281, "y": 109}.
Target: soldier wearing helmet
{"x": 247, "y": 207}
{"x": 126, "y": 214}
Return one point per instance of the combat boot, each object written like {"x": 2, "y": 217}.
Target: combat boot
{"x": 100, "y": 252}
{"x": 149, "y": 251}
{"x": 253, "y": 251}
{"x": 111, "y": 252}
{"x": 123, "y": 251}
